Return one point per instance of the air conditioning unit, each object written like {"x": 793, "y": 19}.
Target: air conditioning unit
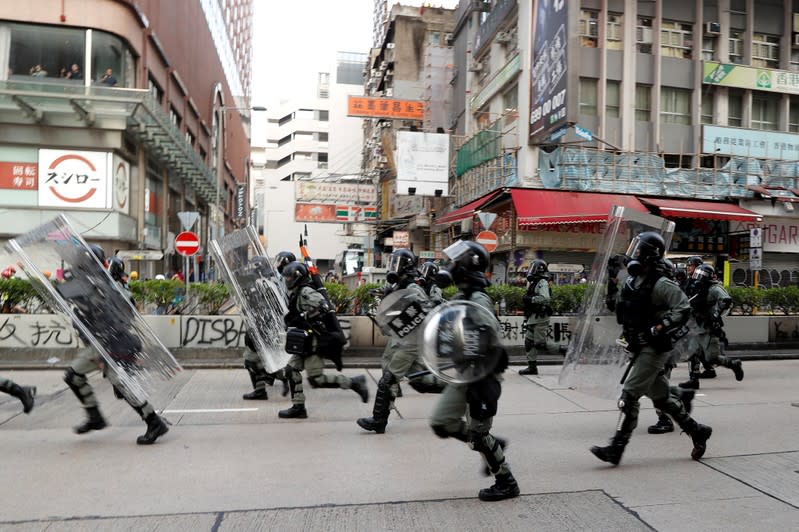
{"x": 643, "y": 34}
{"x": 383, "y": 65}
{"x": 712, "y": 28}
{"x": 390, "y": 92}
{"x": 475, "y": 66}
{"x": 504, "y": 37}
{"x": 390, "y": 45}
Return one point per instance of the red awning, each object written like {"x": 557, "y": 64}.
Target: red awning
{"x": 467, "y": 211}
{"x": 548, "y": 207}
{"x": 705, "y": 210}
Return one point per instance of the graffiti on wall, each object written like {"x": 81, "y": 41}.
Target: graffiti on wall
{"x": 512, "y": 330}
{"x": 40, "y": 330}
{"x": 768, "y": 278}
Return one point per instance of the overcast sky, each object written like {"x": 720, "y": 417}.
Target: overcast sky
{"x": 294, "y": 40}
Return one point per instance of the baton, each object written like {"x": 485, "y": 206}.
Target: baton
{"x": 424, "y": 372}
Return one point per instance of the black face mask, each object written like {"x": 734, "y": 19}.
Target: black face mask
{"x": 444, "y": 277}
{"x": 635, "y": 268}
{"x": 392, "y": 277}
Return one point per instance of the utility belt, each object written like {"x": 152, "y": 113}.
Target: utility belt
{"x": 298, "y": 342}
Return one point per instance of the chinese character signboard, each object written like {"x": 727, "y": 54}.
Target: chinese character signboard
{"x": 750, "y": 143}
{"x": 321, "y": 192}
{"x": 74, "y": 179}
{"x": 746, "y": 77}
{"x": 385, "y": 108}
{"x": 18, "y": 176}
{"x": 400, "y": 239}
{"x": 314, "y": 212}
{"x": 549, "y": 83}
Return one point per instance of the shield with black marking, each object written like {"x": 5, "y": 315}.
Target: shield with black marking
{"x": 99, "y": 307}
{"x": 401, "y": 313}
{"x": 597, "y": 354}
{"x": 461, "y": 342}
{"x": 258, "y": 290}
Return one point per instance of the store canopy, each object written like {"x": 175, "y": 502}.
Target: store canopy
{"x": 549, "y": 207}
{"x": 467, "y": 211}
{"x": 705, "y": 210}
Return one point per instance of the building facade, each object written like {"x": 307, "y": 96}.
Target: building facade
{"x": 307, "y": 169}
{"x": 110, "y": 115}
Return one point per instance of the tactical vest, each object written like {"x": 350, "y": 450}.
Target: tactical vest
{"x": 636, "y": 314}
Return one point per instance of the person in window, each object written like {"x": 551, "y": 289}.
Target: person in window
{"x": 63, "y": 73}
{"x": 38, "y": 72}
{"x": 108, "y": 78}
{"x": 75, "y": 72}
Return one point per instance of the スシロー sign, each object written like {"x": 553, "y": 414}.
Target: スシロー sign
{"x": 82, "y": 180}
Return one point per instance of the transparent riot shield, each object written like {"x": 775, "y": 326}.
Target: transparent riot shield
{"x": 401, "y": 313}
{"x": 596, "y": 358}
{"x": 258, "y": 290}
{"x": 101, "y": 311}
{"x": 460, "y": 342}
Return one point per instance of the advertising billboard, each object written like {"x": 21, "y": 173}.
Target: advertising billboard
{"x": 548, "y": 91}
{"x": 385, "y": 108}
{"x": 422, "y": 163}
{"x": 74, "y": 179}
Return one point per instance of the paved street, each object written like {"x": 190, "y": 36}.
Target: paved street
{"x": 229, "y": 464}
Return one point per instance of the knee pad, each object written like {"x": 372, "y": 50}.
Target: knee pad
{"x": 440, "y": 431}
{"x": 387, "y": 379}
{"x": 477, "y": 442}
{"x": 316, "y": 381}
{"x": 73, "y": 378}
{"x": 626, "y": 402}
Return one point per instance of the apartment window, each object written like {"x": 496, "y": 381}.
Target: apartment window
{"x": 643, "y": 35}
{"x": 736, "y": 47}
{"x": 794, "y": 60}
{"x": 189, "y": 138}
{"x": 586, "y": 94}
{"x": 322, "y": 137}
{"x": 765, "y": 111}
{"x": 612, "y": 99}
{"x": 589, "y": 28}
{"x": 435, "y": 38}
{"x": 510, "y": 103}
{"x": 615, "y": 31}
{"x": 155, "y": 91}
{"x": 643, "y": 103}
{"x": 174, "y": 117}
{"x": 675, "y": 160}
{"x": 324, "y": 116}
{"x": 676, "y": 39}
{"x": 708, "y": 48}
{"x": 765, "y": 51}
{"x": 707, "y": 107}
{"x": 735, "y": 104}
{"x": 675, "y": 105}
{"x": 793, "y": 115}
{"x": 321, "y": 159}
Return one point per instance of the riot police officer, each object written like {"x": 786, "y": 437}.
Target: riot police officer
{"x": 466, "y": 411}
{"x": 26, "y": 394}
{"x": 283, "y": 258}
{"x": 427, "y": 280}
{"x": 537, "y": 310}
{"x": 709, "y": 302}
{"x": 312, "y": 328}
{"x": 649, "y": 307}
{"x": 87, "y": 360}
{"x": 690, "y": 267}
{"x": 402, "y": 354}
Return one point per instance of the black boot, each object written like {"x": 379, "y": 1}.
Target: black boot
{"x": 692, "y": 383}
{"x": 259, "y": 378}
{"x": 687, "y": 398}
{"x": 663, "y": 426}
{"x": 382, "y": 408}
{"x": 156, "y": 427}
{"x": 505, "y": 487}
{"x": 610, "y": 453}
{"x": 737, "y": 368}
{"x": 373, "y": 424}
{"x": 256, "y": 394}
{"x": 25, "y": 394}
{"x": 358, "y": 385}
{"x": 295, "y": 412}
{"x": 94, "y": 421}
{"x": 699, "y": 435}
{"x": 531, "y": 369}
{"x": 708, "y": 373}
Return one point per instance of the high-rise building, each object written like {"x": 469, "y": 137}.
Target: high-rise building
{"x": 307, "y": 169}
{"x": 122, "y": 114}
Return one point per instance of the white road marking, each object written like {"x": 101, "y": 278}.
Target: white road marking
{"x": 209, "y": 410}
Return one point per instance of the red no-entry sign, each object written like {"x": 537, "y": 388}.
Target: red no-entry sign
{"x": 488, "y": 239}
{"x": 187, "y": 243}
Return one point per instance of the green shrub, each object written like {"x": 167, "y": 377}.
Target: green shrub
{"x": 782, "y": 300}
{"x": 449, "y": 292}
{"x": 745, "y": 299}
{"x": 340, "y": 297}
{"x": 512, "y": 295}
{"x": 210, "y": 295}
{"x": 363, "y": 300}
{"x": 19, "y": 293}
{"x": 567, "y": 298}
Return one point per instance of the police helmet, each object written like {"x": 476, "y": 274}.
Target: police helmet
{"x": 283, "y": 258}
{"x": 98, "y": 252}
{"x": 680, "y": 274}
{"x": 704, "y": 273}
{"x": 116, "y": 268}
{"x": 295, "y": 273}
{"x": 429, "y": 270}
{"x": 648, "y": 246}
{"x": 468, "y": 255}
{"x": 401, "y": 261}
{"x": 693, "y": 261}
{"x": 261, "y": 266}
{"x": 538, "y": 269}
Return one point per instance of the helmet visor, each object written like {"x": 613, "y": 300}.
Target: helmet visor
{"x": 701, "y": 274}
{"x": 457, "y": 250}
{"x": 640, "y": 249}
{"x": 394, "y": 263}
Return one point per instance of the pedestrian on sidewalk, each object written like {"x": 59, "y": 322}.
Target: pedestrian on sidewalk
{"x": 650, "y": 307}
{"x": 310, "y": 328}
{"x": 466, "y": 411}
{"x": 26, "y": 394}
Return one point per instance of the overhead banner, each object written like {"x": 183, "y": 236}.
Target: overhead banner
{"x": 314, "y": 212}
{"x": 422, "y": 163}
{"x": 74, "y": 179}
{"x": 549, "y": 83}
{"x": 750, "y": 143}
{"x": 385, "y": 108}
{"x": 747, "y": 77}
{"x": 320, "y": 192}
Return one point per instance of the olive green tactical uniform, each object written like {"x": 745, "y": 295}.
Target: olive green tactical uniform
{"x": 536, "y": 334}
